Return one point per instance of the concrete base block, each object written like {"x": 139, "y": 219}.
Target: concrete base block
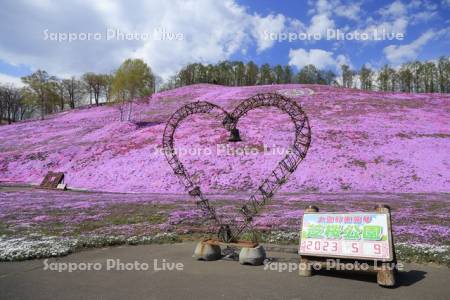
{"x": 252, "y": 256}
{"x": 206, "y": 251}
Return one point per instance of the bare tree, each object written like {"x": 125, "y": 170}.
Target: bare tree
{"x": 60, "y": 89}
{"x": 89, "y": 83}
{"x": 2, "y": 105}
{"x": 74, "y": 91}
{"x": 347, "y": 76}
{"x": 11, "y": 103}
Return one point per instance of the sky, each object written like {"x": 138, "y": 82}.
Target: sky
{"x": 68, "y": 38}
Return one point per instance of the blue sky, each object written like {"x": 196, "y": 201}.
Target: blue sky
{"x": 32, "y": 33}
{"x": 421, "y": 17}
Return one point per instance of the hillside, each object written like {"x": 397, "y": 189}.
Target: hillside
{"x": 361, "y": 141}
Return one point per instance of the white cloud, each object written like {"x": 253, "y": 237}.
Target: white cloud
{"x": 398, "y": 25}
{"x": 423, "y": 16}
{"x": 398, "y": 54}
{"x": 414, "y": 4}
{"x": 393, "y": 19}
{"x": 325, "y": 9}
{"x": 320, "y": 58}
{"x": 323, "y": 13}
{"x": 320, "y": 23}
{"x": 8, "y": 79}
{"x": 322, "y": 20}
{"x": 351, "y": 11}
{"x": 397, "y": 16}
{"x": 212, "y": 31}
{"x": 295, "y": 25}
{"x": 270, "y": 23}
{"x": 395, "y": 9}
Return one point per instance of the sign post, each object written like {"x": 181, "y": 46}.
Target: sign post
{"x": 353, "y": 239}
{"x": 52, "y": 180}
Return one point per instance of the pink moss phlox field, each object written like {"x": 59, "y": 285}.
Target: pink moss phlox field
{"x": 417, "y": 218}
{"x": 362, "y": 141}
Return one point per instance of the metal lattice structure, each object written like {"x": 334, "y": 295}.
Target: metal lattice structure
{"x": 279, "y": 176}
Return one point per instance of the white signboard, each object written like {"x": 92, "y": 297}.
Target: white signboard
{"x": 348, "y": 235}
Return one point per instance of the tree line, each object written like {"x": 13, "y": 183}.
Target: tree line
{"x": 228, "y": 73}
{"x": 45, "y": 94}
{"x": 416, "y": 76}
{"x": 411, "y": 77}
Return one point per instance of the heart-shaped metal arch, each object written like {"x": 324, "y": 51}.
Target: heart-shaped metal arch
{"x": 279, "y": 176}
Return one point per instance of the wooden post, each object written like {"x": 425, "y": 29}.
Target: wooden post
{"x": 304, "y": 265}
{"x": 387, "y": 272}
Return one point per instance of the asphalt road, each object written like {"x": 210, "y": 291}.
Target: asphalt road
{"x": 200, "y": 280}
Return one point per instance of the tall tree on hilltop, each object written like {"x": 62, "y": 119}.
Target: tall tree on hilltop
{"x": 266, "y": 76}
{"x": 279, "y": 74}
{"x": 41, "y": 84}
{"x": 429, "y": 76}
{"x": 133, "y": 79}
{"x": 239, "y": 73}
{"x": 365, "y": 76}
{"x": 415, "y": 68}
{"x": 74, "y": 90}
{"x": 384, "y": 78}
{"x": 444, "y": 74}
{"x": 308, "y": 75}
{"x": 287, "y": 74}
{"x": 327, "y": 77}
{"x": 251, "y": 73}
{"x": 89, "y": 83}
{"x": 405, "y": 77}
{"x": 347, "y": 76}
{"x": 61, "y": 91}
{"x": 10, "y": 103}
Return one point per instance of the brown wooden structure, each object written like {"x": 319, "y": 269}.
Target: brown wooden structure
{"x": 51, "y": 180}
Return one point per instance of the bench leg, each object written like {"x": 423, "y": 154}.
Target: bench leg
{"x": 386, "y": 275}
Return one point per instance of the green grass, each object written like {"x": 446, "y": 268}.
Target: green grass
{"x": 4, "y": 229}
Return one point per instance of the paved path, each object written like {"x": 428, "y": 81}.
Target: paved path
{"x": 203, "y": 280}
